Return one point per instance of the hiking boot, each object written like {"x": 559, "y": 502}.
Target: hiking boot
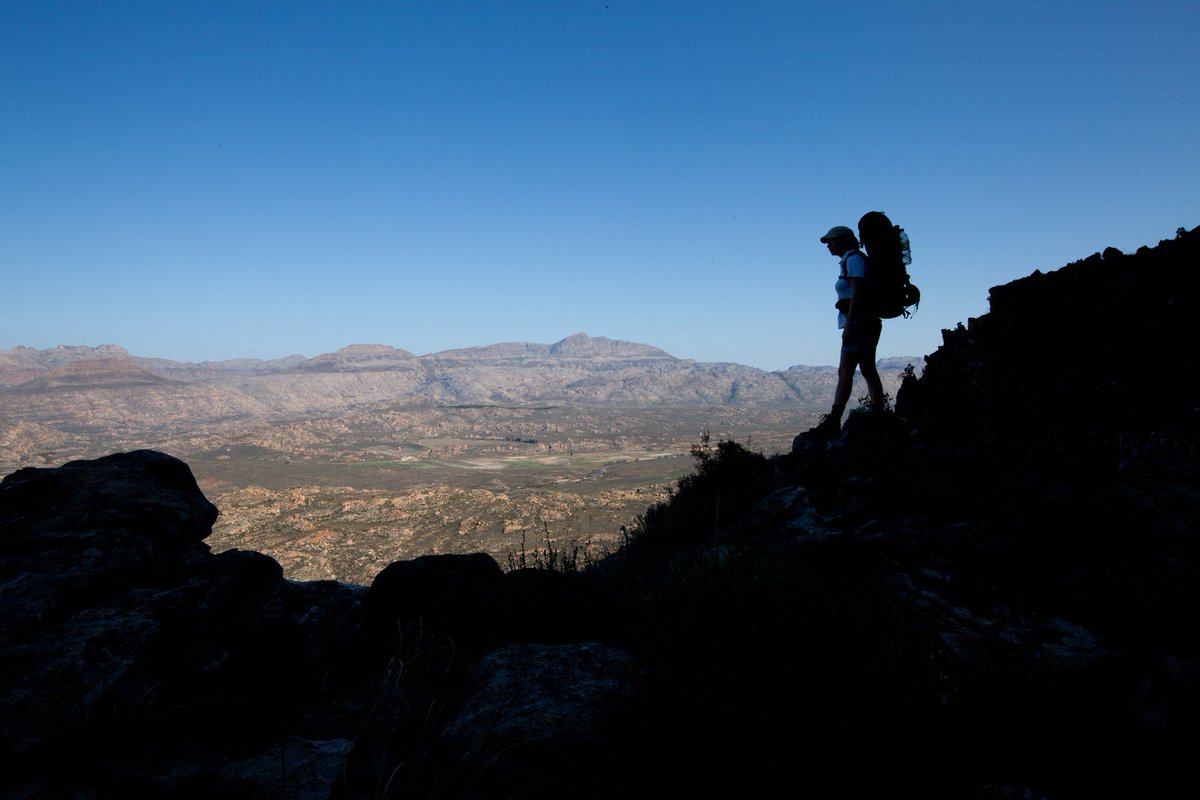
{"x": 828, "y": 427}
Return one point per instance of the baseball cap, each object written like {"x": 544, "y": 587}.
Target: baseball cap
{"x": 839, "y": 232}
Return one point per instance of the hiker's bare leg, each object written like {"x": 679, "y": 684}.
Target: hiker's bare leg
{"x": 845, "y": 384}
{"x": 871, "y": 376}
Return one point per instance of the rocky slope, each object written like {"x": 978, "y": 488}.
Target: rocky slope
{"x": 979, "y": 596}
{"x": 118, "y": 396}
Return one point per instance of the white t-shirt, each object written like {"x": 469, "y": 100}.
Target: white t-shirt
{"x": 853, "y": 265}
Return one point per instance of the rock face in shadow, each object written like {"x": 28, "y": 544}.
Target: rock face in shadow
{"x": 991, "y": 593}
{"x": 572, "y": 737}
{"x": 136, "y": 657}
{"x": 1069, "y": 360}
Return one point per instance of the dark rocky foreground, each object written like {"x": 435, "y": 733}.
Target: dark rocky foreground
{"x": 991, "y": 593}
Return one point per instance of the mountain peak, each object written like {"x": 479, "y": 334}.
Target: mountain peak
{"x": 581, "y": 345}
{"x": 362, "y": 357}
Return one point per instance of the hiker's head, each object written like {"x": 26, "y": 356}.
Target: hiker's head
{"x": 840, "y": 239}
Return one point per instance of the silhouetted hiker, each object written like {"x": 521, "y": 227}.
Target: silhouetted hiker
{"x": 860, "y": 328}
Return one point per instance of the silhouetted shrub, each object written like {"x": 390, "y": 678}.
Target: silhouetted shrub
{"x": 729, "y": 481}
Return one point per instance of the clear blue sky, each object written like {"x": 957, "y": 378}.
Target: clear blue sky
{"x": 208, "y": 180}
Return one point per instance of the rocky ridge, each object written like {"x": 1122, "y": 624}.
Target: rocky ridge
{"x": 580, "y": 369}
{"x": 975, "y": 597}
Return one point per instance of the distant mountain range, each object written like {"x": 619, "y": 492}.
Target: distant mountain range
{"x": 80, "y": 387}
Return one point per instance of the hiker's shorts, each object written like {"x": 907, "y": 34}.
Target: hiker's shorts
{"x": 861, "y": 336}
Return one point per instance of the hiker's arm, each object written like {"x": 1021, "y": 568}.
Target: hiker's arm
{"x": 856, "y": 289}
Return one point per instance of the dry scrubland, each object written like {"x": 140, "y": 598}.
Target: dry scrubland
{"x": 345, "y": 506}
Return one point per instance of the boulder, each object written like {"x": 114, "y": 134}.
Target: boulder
{"x": 144, "y": 662}
{"x": 548, "y": 721}
{"x": 432, "y": 600}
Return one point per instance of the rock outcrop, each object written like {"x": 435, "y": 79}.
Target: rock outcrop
{"x": 137, "y": 663}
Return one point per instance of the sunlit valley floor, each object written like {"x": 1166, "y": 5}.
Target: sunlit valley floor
{"x": 344, "y": 506}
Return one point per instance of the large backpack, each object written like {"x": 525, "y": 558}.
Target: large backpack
{"x": 889, "y": 290}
